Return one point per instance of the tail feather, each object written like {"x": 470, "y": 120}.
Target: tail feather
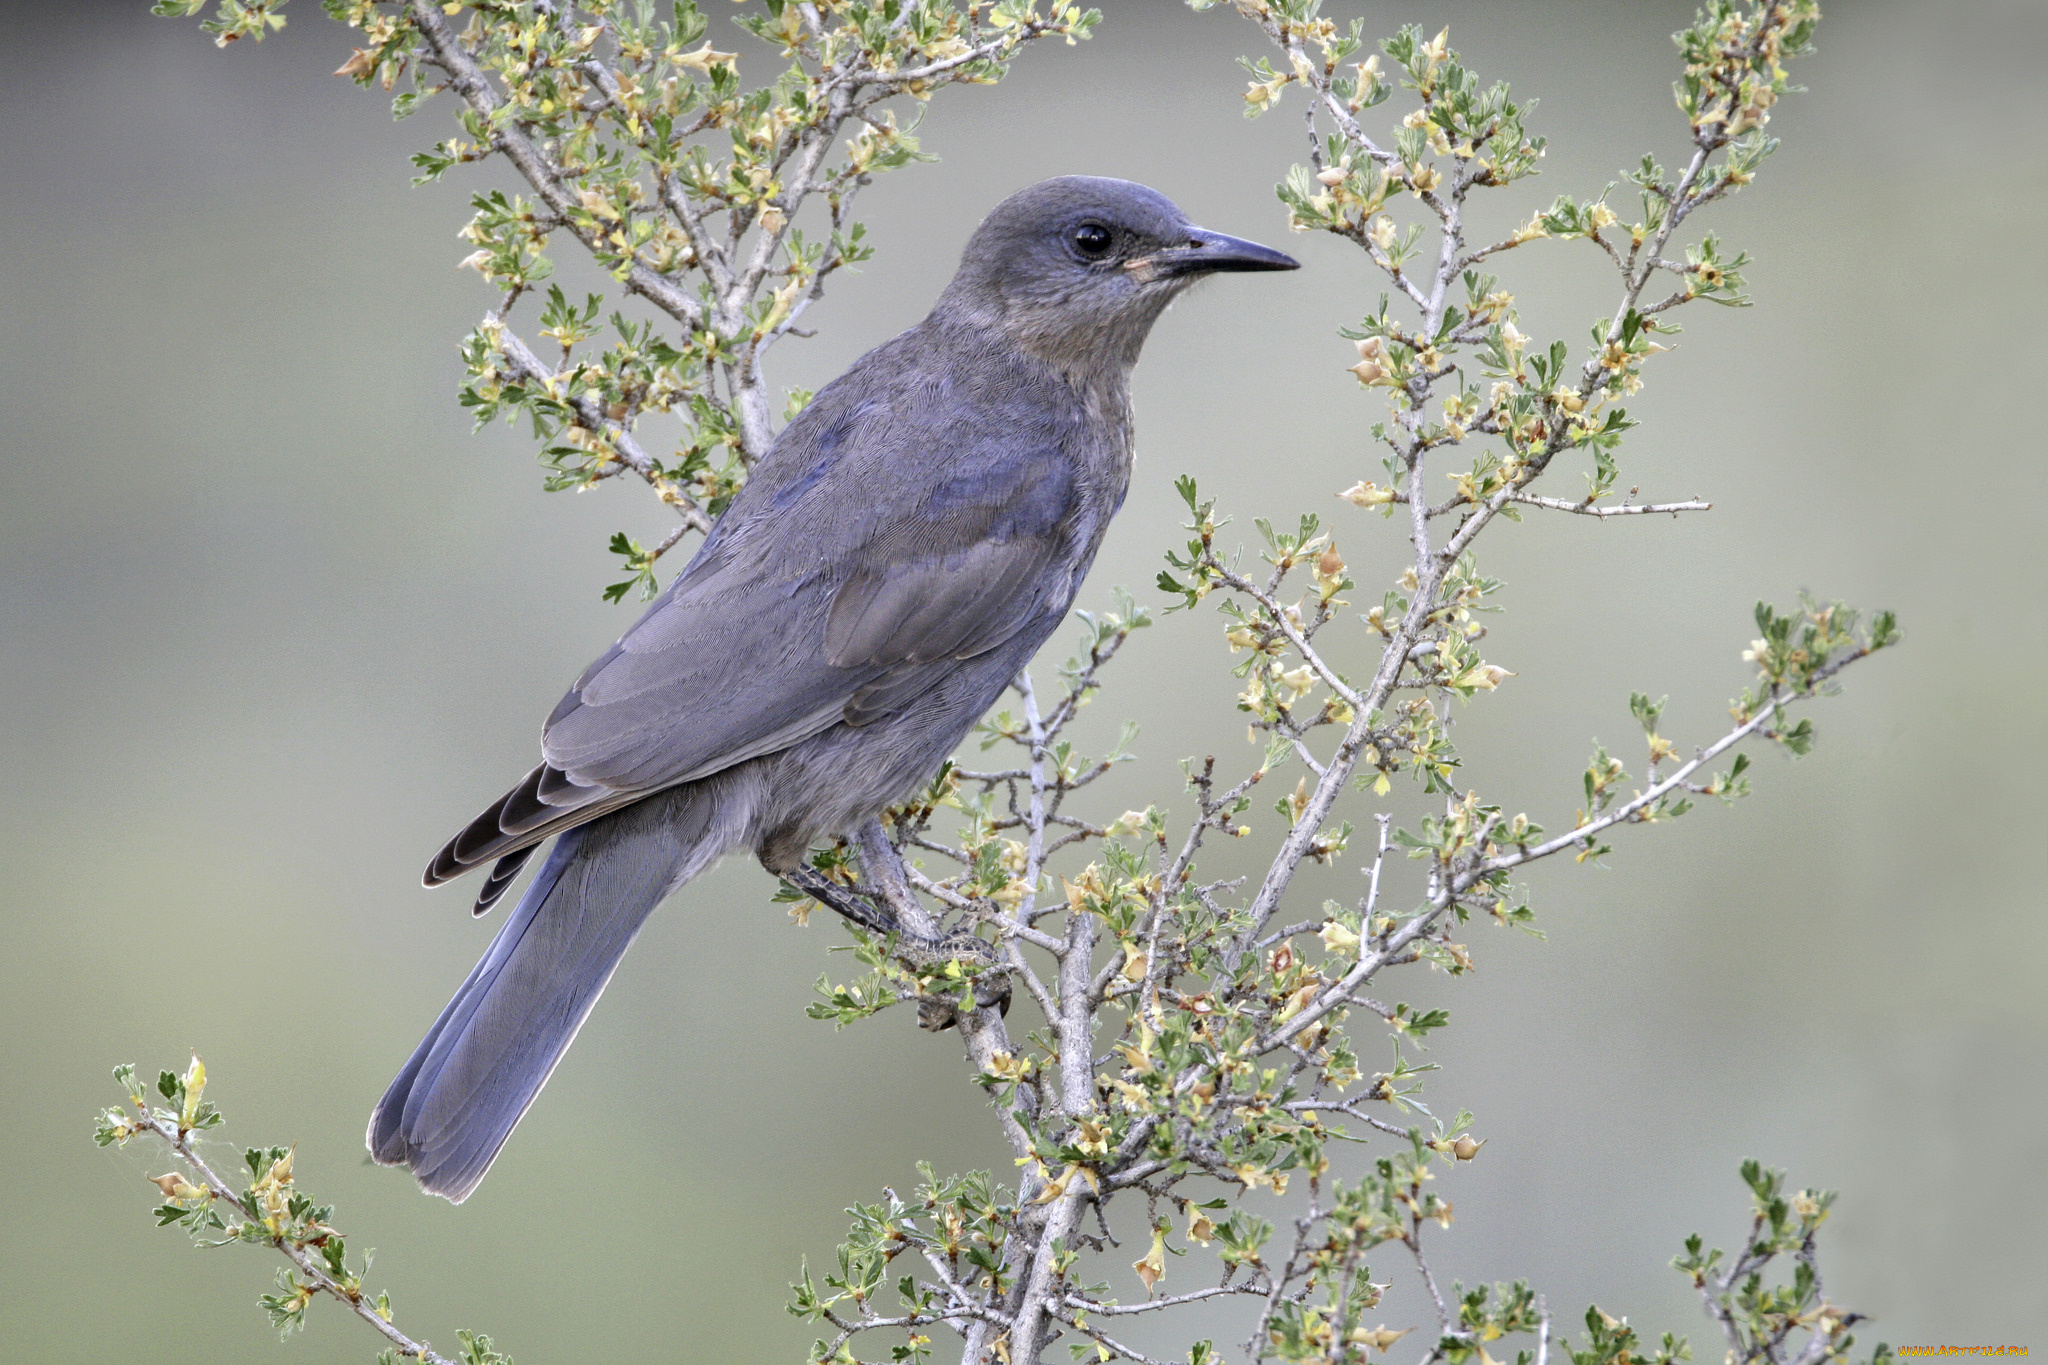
{"x": 480, "y": 1067}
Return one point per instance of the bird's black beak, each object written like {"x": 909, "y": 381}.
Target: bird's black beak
{"x": 1207, "y": 252}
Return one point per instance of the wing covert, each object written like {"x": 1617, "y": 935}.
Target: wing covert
{"x": 765, "y": 642}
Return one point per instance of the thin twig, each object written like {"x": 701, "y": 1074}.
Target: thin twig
{"x": 304, "y": 1262}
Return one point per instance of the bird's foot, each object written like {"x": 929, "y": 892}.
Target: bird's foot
{"x": 856, "y": 907}
{"x": 917, "y": 950}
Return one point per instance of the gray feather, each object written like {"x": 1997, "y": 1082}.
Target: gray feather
{"x": 906, "y": 544}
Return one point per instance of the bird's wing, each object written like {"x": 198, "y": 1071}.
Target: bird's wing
{"x": 828, "y": 600}
{"x": 768, "y": 645}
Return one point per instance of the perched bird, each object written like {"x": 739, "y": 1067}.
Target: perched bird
{"x": 901, "y": 551}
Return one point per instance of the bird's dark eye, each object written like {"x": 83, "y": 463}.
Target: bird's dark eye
{"x": 1093, "y": 240}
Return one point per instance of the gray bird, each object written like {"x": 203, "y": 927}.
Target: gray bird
{"x": 901, "y": 551}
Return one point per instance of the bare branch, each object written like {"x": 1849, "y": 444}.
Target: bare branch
{"x": 1625, "y": 509}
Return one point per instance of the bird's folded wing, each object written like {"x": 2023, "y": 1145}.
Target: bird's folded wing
{"x": 752, "y": 653}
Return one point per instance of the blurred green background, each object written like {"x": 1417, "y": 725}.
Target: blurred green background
{"x": 273, "y": 623}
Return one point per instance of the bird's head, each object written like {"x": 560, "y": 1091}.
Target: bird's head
{"x": 1079, "y": 268}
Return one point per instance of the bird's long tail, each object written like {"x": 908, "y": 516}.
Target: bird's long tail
{"x": 479, "y": 1068}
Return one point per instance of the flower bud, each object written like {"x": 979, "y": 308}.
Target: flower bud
{"x": 1337, "y": 939}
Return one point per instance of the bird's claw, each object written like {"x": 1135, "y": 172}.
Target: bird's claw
{"x": 937, "y": 1011}
{"x": 940, "y": 1012}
